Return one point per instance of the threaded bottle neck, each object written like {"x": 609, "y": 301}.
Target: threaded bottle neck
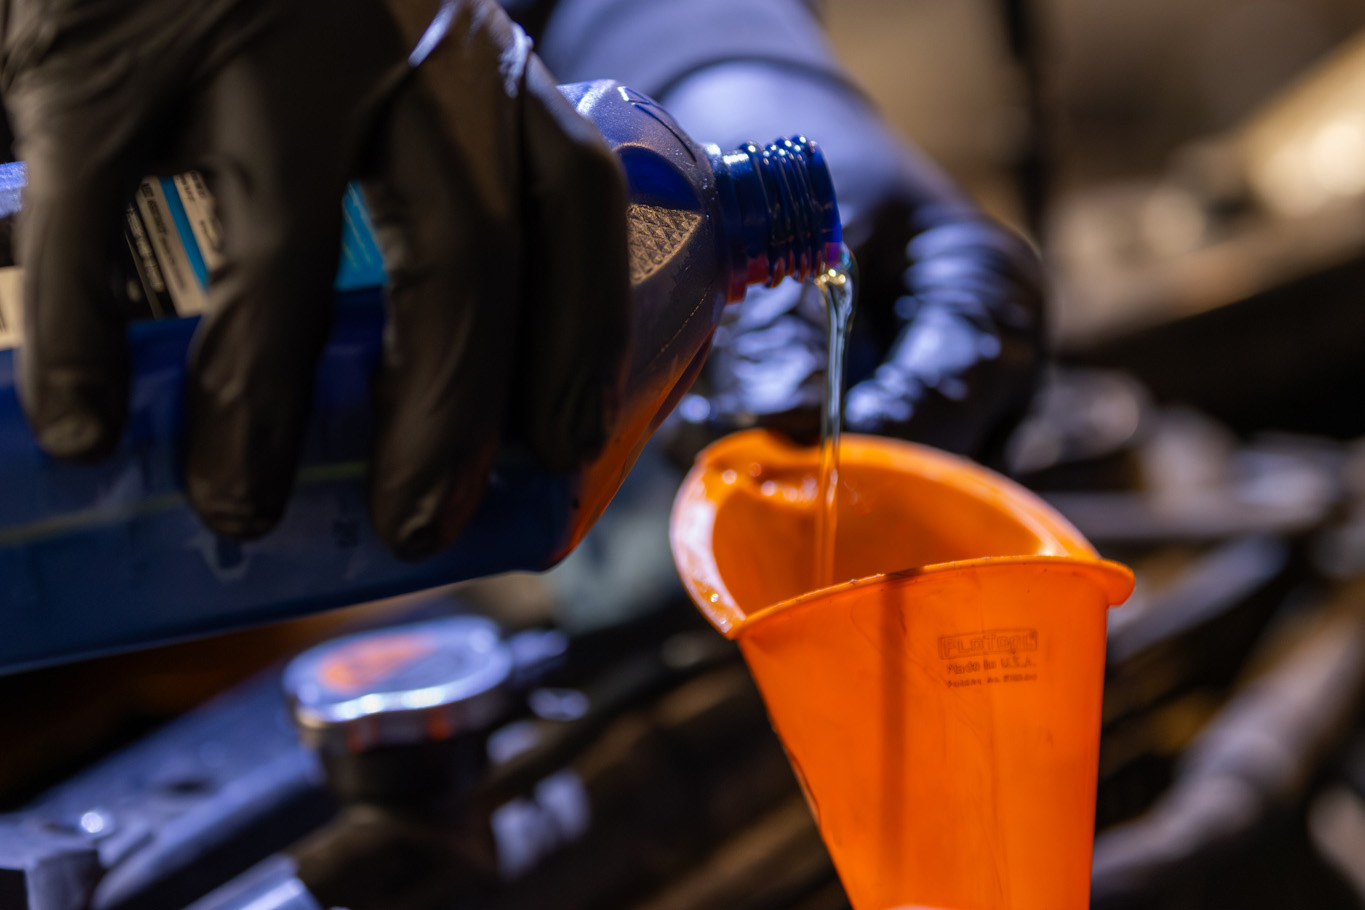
{"x": 780, "y": 213}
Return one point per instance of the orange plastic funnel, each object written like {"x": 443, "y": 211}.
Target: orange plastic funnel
{"x": 942, "y": 707}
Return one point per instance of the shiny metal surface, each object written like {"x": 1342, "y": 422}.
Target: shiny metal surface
{"x": 406, "y": 684}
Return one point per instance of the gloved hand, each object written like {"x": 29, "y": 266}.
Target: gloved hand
{"x": 963, "y": 298}
{"x": 499, "y": 211}
{"x": 947, "y": 335}
{"x": 945, "y": 348}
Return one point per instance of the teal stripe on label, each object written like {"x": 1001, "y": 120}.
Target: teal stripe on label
{"x": 182, "y": 226}
{"x": 361, "y": 264}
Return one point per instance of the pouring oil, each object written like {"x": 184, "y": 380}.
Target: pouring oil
{"x": 838, "y": 287}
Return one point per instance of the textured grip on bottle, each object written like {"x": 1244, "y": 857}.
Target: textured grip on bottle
{"x": 656, "y": 235}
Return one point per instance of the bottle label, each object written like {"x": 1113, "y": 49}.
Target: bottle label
{"x": 175, "y": 245}
{"x": 175, "y": 242}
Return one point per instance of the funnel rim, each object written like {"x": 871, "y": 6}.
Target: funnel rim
{"x": 694, "y": 512}
{"x": 1114, "y": 580}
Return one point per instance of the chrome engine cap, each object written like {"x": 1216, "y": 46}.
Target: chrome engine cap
{"x": 415, "y": 683}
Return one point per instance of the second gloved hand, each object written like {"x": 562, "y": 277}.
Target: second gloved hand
{"x": 499, "y": 211}
{"x": 945, "y": 348}
{"x": 947, "y": 335}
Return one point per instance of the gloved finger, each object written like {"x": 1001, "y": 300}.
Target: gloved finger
{"x": 74, "y": 359}
{"x": 574, "y": 347}
{"x": 960, "y": 371}
{"x": 87, "y": 88}
{"x": 252, "y": 369}
{"x": 277, "y": 133}
{"x": 990, "y": 247}
{"x": 444, "y": 210}
{"x": 769, "y": 361}
{"x": 990, "y": 274}
{"x": 924, "y": 379}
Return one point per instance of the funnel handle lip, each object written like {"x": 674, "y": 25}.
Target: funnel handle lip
{"x": 1114, "y": 580}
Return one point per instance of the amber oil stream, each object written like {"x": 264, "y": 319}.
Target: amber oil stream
{"x": 837, "y": 286}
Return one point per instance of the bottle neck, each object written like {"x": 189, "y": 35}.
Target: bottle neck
{"x": 780, "y": 215}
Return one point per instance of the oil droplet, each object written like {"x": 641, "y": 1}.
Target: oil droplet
{"x": 769, "y": 488}
{"x": 729, "y": 477}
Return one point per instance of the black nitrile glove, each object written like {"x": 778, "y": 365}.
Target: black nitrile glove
{"x": 499, "y": 210}
{"x": 962, "y": 297}
{"x": 945, "y": 347}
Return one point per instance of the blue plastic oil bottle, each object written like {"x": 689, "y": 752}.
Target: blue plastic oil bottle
{"x": 94, "y": 558}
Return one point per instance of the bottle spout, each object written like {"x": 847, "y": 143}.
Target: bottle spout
{"x": 780, "y": 212}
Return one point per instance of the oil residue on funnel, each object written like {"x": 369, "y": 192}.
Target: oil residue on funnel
{"x": 838, "y": 287}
